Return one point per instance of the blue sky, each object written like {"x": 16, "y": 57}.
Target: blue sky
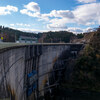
{"x": 50, "y": 15}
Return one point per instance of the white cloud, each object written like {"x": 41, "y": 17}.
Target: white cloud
{"x": 8, "y": 9}
{"x": 89, "y": 29}
{"x": 29, "y": 30}
{"x": 32, "y": 9}
{"x": 87, "y": 13}
{"x": 32, "y": 6}
{"x": 57, "y": 24}
{"x": 90, "y": 23}
{"x": 29, "y": 13}
{"x": 21, "y": 24}
{"x": 27, "y": 25}
{"x": 60, "y": 13}
{"x": 87, "y": 1}
{"x": 75, "y": 30}
{"x": 12, "y": 24}
{"x": 24, "y": 25}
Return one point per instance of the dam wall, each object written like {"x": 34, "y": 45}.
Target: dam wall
{"x": 24, "y": 69}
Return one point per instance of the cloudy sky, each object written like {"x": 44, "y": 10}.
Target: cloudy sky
{"x": 50, "y": 15}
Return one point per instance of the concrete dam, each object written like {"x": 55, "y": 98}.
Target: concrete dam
{"x": 28, "y": 71}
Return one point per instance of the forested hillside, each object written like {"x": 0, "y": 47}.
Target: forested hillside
{"x": 86, "y": 74}
{"x": 10, "y": 35}
{"x": 57, "y": 37}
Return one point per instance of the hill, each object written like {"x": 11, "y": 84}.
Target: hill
{"x": 56, "y": 37}
{"x": 86, "y": 73}
{"x": 83, "y": 38}
{"x": 10, "y": 35}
